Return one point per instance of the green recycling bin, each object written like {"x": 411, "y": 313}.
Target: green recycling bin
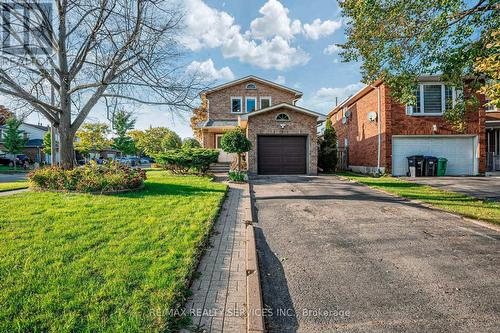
{"x": 441, "y": 169}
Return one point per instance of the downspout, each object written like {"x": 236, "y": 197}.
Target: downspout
{"x": 379, "y": 128}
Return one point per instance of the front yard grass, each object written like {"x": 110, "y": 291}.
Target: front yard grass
{"x": 449, "y": 201}
{"x": 17, "y": 185}
{"x": 97, "y": 263}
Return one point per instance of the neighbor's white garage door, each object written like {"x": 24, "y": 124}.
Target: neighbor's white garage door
{"x": 459, "y": 150}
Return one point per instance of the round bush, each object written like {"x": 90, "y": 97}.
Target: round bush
{"x": 90, "y": 178}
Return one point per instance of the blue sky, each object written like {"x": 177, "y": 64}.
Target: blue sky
{"x": 289, "y": 42}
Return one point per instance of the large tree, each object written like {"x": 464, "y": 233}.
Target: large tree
{"x": 90, "y": 52}
{"x": 92, "y": 138}
{"x": 399, "y": 40}
{"x": 122, "y": 123}
{"x": 158, "y": 140}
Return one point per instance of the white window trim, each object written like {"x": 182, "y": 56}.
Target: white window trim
{"x": 251, "y": 88}
{"x": 249, "y": 98}
{"x": 265, "y": 97}
{"x": 410, "y": 109}
{"x": 286, "y": 114}
{"x": 231, "y": 104}
{"x": 217, "y": 136}
{"x": 495, "y": 109}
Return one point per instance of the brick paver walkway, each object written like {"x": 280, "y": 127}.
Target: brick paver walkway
{"x": 219, "y": 294}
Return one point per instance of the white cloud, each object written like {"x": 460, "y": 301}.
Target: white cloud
{"x": 332, "y": 49}
{"x": 210, "y": 28}
{"x": 206, "y": 70}
{"x": 280, "y": 79}
{"x": 274, "y": 22}
{"x": 323, "y": 100}
{"x": 206, "y": 27}
{"x": 318, "y": 29}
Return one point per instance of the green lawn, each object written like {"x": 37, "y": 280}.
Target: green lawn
{"x": 118, "y": 263}
{"x": 13, "y": 185}
{"x": 450, "y": 201}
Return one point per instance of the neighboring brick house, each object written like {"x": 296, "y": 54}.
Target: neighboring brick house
{"x": 380, "y": 133}
{"x": 283, "y": 135}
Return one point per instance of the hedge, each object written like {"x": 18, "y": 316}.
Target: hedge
{"x": 191, "y": 160}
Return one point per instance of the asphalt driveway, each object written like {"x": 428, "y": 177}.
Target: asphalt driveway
{"x": 485, "y": 188}
{"x": 340, "y": 257}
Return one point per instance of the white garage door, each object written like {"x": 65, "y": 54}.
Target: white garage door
{"x": 460, "y": 152}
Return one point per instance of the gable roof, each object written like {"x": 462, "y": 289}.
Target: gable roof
{"x": 251, "y": 78}
{"x": 321, "y": 117}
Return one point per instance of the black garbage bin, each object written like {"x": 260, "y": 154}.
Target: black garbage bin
{"x": 415, "y": 166}
{"x": 430, "y": 166}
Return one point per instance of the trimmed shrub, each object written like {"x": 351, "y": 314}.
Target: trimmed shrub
{"x": 191, "y": 160}
{"x": 190, "y": 143}
{"x": 88, "y": 178}
{"x": 237, "y": 176}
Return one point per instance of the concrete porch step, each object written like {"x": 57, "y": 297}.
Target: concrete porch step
{"x": 219, "y": 167}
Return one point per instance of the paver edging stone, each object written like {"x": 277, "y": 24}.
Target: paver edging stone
{"x": 255, "y": 319}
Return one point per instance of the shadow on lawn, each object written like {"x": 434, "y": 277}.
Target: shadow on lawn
{"x": 158, "y": 189}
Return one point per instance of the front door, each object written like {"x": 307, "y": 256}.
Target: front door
{"x": 223, "y": 156}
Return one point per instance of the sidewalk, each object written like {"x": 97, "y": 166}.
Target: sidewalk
{"x": 219, "y": 294}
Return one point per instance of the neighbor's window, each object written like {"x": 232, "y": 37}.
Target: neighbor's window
{"x": 490, "y": 108}
{"x": 251, "y": 86}
{"x": 282, "y": 117}
{"x": 432, "y": 99}
{"x": 251, "y": 104}
{"x": 235, "y": 104}
{"x": 265, "y": 102}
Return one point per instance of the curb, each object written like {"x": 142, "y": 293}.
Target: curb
{"x": 428, "y": 206}
{"x": 255, "y": 319}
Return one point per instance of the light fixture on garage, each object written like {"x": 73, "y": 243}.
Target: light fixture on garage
{"x": 434, "y": 128}
{"x": 282, "y": 126}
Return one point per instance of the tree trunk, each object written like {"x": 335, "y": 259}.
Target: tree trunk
{"x": 66, "y": 149}
{"x": 239, "y": 162}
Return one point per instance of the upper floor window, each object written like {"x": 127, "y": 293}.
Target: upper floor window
{"x": 251, "y": 104}
{"x": 265, "y": 102}
{"x": 251, "y": 86}
{"x": 282, "y": 117}
{"x": 490, "y": 108}
{"x": 236, "y": 104}
{"x": 432, "y": 99}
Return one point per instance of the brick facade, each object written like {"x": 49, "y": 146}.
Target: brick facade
{"x": 220, "y": 100}
{"x": 362, "y": 134}
{"x": 300, "y": 124}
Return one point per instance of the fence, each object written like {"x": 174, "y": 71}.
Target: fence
{"x": 342, "y": 158}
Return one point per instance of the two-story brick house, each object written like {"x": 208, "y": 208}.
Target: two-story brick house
{"x": 283, "y": 135}
{"x": 380, "y": 133}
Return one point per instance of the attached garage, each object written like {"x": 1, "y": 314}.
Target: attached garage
{"x": 460, "y": 150}
{"x": 281, "y": 155}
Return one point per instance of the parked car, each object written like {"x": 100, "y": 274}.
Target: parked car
{"x": 4, "y": 160}
{"x": 147, "y": 160}
{"x": 22, "y": 159}
{"x": 134, "y": 161}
